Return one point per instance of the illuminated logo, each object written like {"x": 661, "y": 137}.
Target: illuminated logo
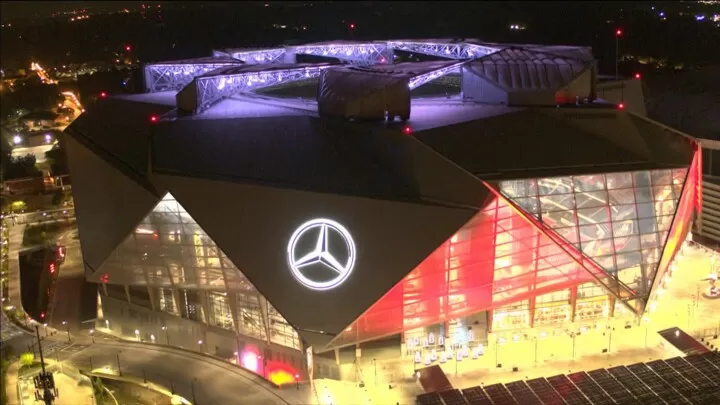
{"x": 321, "y": 254}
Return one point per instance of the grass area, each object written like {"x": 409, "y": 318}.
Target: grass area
{"x": 30, "y": 369}
{"x": 130, "y": 394}
{"x": 45, "y": 232}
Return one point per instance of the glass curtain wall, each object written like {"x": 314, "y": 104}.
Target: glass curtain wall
{"x": 619, "y": 220}
{"x": 498, "y": 259}
{"x": 169, "y": 251}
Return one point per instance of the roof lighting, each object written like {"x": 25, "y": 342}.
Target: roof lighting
{"x": 407, "y": 130}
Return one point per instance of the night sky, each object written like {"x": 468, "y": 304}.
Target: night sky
{"x": 25, "y": 9}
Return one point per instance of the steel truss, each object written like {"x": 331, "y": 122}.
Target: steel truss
{"x": 370, "y": 53}
{"x": 424, "y": 78}
{"x": 260, "y": 56}
{"x": 174, "y": 77}
{"x": 211, "y": 89}
{"x": 450, "y": 50}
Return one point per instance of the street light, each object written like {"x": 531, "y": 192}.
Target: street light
{"x": 137, "y": 335}
{"x": 167, "y": 335}
{"x": 200, "y": 342}
{"x": 152, "y": 338}
{"x": 67, "y": 328}
{"x": 107, "y": 323}
{"x": 92, "y": 335}
{"x": 618, "y": 34}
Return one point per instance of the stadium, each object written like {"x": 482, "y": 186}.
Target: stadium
{"x": 288, "y": 207}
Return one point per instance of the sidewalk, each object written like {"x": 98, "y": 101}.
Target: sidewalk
{"x": 71, "y": 391}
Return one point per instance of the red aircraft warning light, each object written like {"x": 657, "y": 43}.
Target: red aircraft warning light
{"x": 42, "y": 315}
{"x": 407, "y": 130}
{"x": 154, "y": 118}
{"x": 638, "y": 76}
{"x": 618, "y": 32}
{"x": 128, "y": 48}
{"x": 103, "y": 94}
{"x": 352, "y": 26}
{"x": 621, "y": 106}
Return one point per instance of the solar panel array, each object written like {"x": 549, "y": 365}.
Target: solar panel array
{"x": 691, "y": 380}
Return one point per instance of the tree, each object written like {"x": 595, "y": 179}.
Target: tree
{"x": 27, "y": 359}
{"x": 58, "y": 161}
{"x": 19, "y": 167}
{"x": 58, "y": 198}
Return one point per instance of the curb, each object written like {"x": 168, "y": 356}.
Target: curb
{"x": 218, "y": 362}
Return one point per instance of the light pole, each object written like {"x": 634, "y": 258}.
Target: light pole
{"x": 200, "y": 342}
{"x": 167, "y": 334}
{"x": 67, "y": 328}
{"x": 618, "y": 34}
{"x": 107, "y": 324}
{"x": 137, "y": 335}
{"x": 117, "y": 356}
{"x": 92, "y": 335}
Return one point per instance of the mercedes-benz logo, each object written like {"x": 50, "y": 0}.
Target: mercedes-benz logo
{"x": 321, "y": 254}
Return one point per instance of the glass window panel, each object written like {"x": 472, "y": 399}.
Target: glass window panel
{"x": 621, "y": 212}
{"x": 589, "y": 183}
{"x": 649, "y": 240}
{"x": 627, "y": 260}
{"x": 606, "y": 262}
{"x": 647, "y": 225}
{"x": 530, "y": 204}
{"x": 661, "y": 177}
{"x": 619, "y": 180}
{"x": 661, "y": 193}
{"x": 643, "y": 194}
{"x": 666, "y": 207}
{"x": 555, "y": 185}
{"x": 664, "y": 223}
{"x": 641, "y": 179}
{"x": 591, "y": 199}
{"x": 627, "y": 243}
{"x": 677, "y": 191}
{"x": 570, "y": 234}
{"x": 592, "y": 232}
{"x": 598, "y": 247}
{"x": 624, "y": 228}
{"x": 557, "y": 202}
{"x": 679, "y": 175}
{"x": 623, "y": 196}
{"x": 651, "y": 255}
{"x": 593, "y": 215}
{"x": 519, "y": 188}
{"x": 645, "y": 210}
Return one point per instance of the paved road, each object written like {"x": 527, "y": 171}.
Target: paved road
{"x": 214, "y": 383}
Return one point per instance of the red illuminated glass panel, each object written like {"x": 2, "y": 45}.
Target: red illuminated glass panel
{"x": 683, "y": 217}
{"x": 497, "y": 258}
